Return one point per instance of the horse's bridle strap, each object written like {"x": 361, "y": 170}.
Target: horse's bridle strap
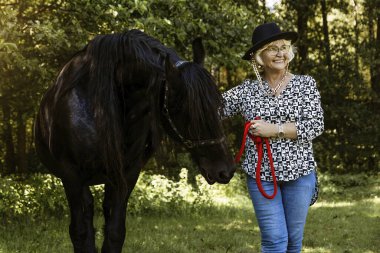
{"x": 188, "y": 143}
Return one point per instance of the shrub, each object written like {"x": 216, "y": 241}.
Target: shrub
{"x": 43, "y": 194}
{"x": 33, "y": 196}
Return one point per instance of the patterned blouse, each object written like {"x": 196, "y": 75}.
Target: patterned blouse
{"x": 299, "y": 102}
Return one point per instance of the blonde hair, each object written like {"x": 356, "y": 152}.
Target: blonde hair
{"x": 259, "y": 60}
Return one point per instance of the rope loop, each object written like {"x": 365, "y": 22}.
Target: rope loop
{"x": 259, "y": 143}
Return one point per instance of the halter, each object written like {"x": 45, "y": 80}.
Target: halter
{"x": 188, "y": 143}
{"x": 179, "y": 63}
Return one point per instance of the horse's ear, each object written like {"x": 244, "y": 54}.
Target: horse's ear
{"x": 168, "y": 64}
{"x": 198, "y": 51}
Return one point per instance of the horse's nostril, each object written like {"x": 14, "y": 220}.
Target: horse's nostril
{"x": 224, "y": 175}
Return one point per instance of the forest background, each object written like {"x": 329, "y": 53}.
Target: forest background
{"x": 339, "y": 46}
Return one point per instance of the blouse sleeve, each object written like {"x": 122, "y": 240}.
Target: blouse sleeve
{"x": 232, "y": 103}
{"x": 310, "y": 124}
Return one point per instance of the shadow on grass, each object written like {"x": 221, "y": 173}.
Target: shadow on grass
{"x": 232, "y": 230}
{"x": 339, "y": 227}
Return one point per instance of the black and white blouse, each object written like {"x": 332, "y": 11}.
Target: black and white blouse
{"x": 299, "y": 102}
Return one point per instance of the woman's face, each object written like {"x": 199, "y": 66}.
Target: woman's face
{"x": 276, "y": 55}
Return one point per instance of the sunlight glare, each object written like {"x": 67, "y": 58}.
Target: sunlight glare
{"x": 333, "y": 204}
{"x": 271, "y": 3}
{"x": 316, "y": 250}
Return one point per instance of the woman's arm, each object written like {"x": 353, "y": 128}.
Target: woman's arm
{"x": 265, "y": 129}
{"x": 309, "y": 125}
{"x": 232, "y": 102}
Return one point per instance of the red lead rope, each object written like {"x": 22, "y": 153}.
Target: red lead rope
{"x": 259, "y": 142}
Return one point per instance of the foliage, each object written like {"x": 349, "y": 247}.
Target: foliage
{"x": 39, "y": 195}
{"x": 34, "y": 196}
{"x": 38, "y": 36}
{"x": 349, "y": 187}
{"x": 41, "y": 35}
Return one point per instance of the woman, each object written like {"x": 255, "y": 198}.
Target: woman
{"x": 291, "y": 117}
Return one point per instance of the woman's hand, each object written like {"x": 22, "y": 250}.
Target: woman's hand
{"x": 263, "y": 129}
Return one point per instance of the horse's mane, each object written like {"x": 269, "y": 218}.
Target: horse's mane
{"x": 202, "y": 100}
{"x": 101, "y": 57}
{"x": 147, "y": 50}
{"x": 104, "y": 68}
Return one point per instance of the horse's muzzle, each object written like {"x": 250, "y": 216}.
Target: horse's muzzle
{"x": 222, "y": 177}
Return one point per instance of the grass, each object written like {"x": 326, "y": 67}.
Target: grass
{"x": 344, "y": 220}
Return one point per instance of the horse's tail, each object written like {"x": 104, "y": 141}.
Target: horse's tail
{"x": 104, "y": 53}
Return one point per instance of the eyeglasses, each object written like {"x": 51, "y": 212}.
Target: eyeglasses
{"x": 273, "y": 50}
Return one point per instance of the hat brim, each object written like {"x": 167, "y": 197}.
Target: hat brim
{"x": 292, "y": 36}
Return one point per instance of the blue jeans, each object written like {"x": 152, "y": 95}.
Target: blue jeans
{"x": 282, "y": 219}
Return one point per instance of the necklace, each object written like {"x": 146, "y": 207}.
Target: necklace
{"x": 274, "y": 90}
{"x": 259, "y": 78}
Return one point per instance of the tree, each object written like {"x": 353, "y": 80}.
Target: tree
{"x": 373, "y": 10}
{"x": 339, "y": 49}
{"x": 326, "y": 38}
{"x": 304, "y": 11}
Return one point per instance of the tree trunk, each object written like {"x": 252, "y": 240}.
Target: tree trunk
{"x": 303, "y": 12}
{"x": 264, "y": 10}
{"x": 326, "y": 40}
{"x": 21, "y": 144}
{"x": 375, "y": 79}
{"x": 302, "y": 28}
{"x": 371, "y": 37}
{"x": 372, "y": 9}
{"x": 10, "y": 157}
{"x": 356, "y": 43}
{"x": 218, "y": 73}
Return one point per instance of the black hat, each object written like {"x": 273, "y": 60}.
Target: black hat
{"x": 266, "y": 33}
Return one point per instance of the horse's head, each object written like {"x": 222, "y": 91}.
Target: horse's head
{"x": 192, "y": 103}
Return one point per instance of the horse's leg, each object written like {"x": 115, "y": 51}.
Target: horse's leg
{"x": 88, "y": 210}
{"x": 78, "y": 233}
{"x": 114, "y": 208}
{"x": 107, "y": 203}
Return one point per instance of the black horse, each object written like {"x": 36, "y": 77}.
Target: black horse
{"x": 105, "y": 116}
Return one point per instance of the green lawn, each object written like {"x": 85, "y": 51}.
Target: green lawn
{"x": 344, "y": 220}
